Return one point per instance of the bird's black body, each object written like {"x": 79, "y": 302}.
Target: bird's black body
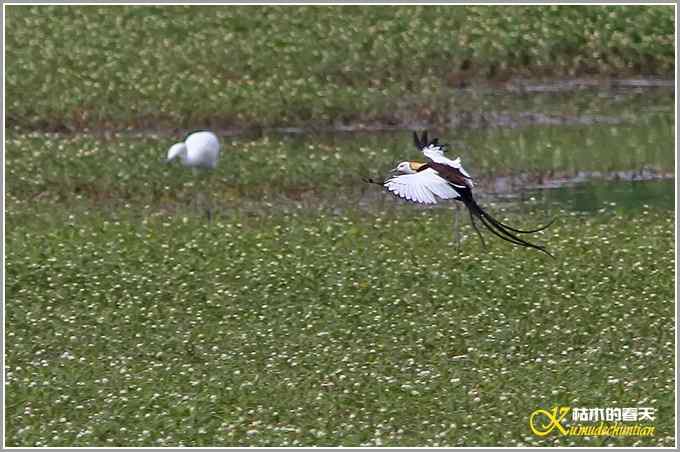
{"x": 452, "y": 175}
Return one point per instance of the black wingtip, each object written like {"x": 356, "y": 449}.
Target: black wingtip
{"x": 416, "y": 141}
{"x": 423, "y": 141}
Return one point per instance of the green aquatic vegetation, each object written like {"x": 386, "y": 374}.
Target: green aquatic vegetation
{"x": 308, "y": 313}
{"x": 332, "y": 330}
{"x": 74, "y": 67}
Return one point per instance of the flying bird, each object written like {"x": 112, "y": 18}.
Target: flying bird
{"x": 200, "y": 149}
{"x": 444, "y": 178}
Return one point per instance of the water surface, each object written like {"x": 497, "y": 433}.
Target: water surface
{"x": 592, "y": 196}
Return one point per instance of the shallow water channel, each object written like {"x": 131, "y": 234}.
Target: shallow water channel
{"x": 594, "y": 196}
{"x": 577, "y": 147}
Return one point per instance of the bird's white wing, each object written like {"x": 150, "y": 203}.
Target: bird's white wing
{"x": 205, "y": 141}
{"x": 436, "y": 154}
{"x": 203, "y": 149}
{"x": 421, "y": 187}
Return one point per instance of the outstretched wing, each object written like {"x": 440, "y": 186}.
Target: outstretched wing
{"x": 434, "y": 151}
{"x": 421, "y": 187}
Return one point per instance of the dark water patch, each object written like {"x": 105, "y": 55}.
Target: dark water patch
{"x": 519, "y": 85}
{"x": 593, "y": 196}
{"x": 511, "y": 185}
{"x": 525, "y": 118}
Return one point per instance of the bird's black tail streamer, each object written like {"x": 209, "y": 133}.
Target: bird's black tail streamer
{"x": 499, "y": 229}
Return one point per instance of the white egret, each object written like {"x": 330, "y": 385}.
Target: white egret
{"x": 199, "y": 150}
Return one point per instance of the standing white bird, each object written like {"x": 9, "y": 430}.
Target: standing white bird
{"x": 444, "y": 178}
{"x": 200, "y": 149}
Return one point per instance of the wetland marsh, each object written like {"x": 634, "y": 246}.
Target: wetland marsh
{"x": 313, "y": 309}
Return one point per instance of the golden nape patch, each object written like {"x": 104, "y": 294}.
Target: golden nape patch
{"x": 415, "y": 165}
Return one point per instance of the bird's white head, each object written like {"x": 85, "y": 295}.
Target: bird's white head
{"x": 408, "y": 167}
{"x": 177, "y": 150}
